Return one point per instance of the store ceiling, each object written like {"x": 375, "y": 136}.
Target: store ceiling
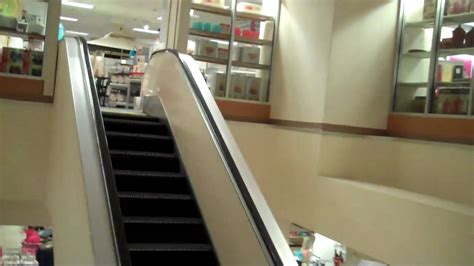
{"x": 109, "y": 15}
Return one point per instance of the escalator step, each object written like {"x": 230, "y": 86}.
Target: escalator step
{"x": 140, "y": 141}
{"x": 169, "y": 247}
{"x": 135, "y": 126}
{"x": 148, "y": 174}
{"x": 165, "y": 230}
{"x": 156, "y": 182}
{"x": 153, "y": 196}
{"x": 130, "y": 116}
{"x": 172, "y": 254}
{"x": 144, "y": 161}
{"x": 161, "y": 220}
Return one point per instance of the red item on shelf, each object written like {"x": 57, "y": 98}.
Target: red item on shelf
{"x": 458, "y": 105}
{"x": 458, "y": 37}
{"x": 250, "y": 34}
{"x": 237, "y": 32}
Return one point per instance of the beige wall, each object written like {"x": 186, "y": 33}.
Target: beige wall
{"x": 392, "y": 225}
{"x": 301, "y": 58}
{"x": 361, "y": 63}
{"x": 24, "y": 145}
{"x": 333, "y": 62}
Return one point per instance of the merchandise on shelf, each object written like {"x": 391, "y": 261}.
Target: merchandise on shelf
{"x": 237, "y": 86}
{"x": 216, "y": 3}
{"x": 457, "y": 6}
{"x": 247, "y": 54}
{"x": 249, "y": 7}
{"x": 252, "y": 88}
{"x": 222, "y": 53}
{"x": 449, "y": 71}
{"x": 206, "y": 48}
{"x": 451, "y": 100}
{"x": 217, "y": 83}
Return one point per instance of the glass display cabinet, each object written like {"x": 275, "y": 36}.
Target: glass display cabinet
{"x": 233, "y": 41}
{"x": 434, "y": 73}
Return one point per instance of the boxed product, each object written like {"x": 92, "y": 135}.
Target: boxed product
{"x": 237, "y": 86}
{"x": 249, "y": 7}
{"x": 449, "y": 71}
{"x": 451, "y": 101}
{"x": 217, "y": 83}
{"x": 222, "y": 53}
{"x": 237, "y": 53}
{"x": 12, "y": 60}
{"x": 429, "y": 9}
{"x": 33, "y": 63}
{"x": 252, "y": 88}
{"x": 457, "y": 6}
{"x": 206, "y": 48}
{"x": 250, "y": 55}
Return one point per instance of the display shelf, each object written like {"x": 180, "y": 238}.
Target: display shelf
{"x": 420, "y": 55}
{"x": 211, "y": 9}
{"x": 458, "y": 19}
{"x": 241, "y": 100}
{"x": 124, "y": 104}
{"x": 252, "y": 16}
{"x": 119, "y": 85}
{"x": 413, "y": 84}
{"x": 241, "y": 110}
{"x": 211, "y": 35}
{"x": 211, "y": 60}
{"x": 20, "y": 76}
{"x": 454, "y": 83}
{"x": 250, "y": 65}
{"x": 424, "y": 24}
{"x": 456, "y": 51}
{"x": 25, "y": 36}
{"x": 463, "y": 91}
{"x": 252, "y": 41}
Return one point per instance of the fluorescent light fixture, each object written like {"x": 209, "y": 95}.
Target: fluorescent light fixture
{"x": 75, "y": 4}
{"x": 77, "y": 33}
{"x": 159, "y": 18}
{"x": 69, "y": 19}
{"x": 146, "y": 31}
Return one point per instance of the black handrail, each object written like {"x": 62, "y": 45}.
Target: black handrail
{"x": 272, "y": 250}
{"x": 121, "y": 244}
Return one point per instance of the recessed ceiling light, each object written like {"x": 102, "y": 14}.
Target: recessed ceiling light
{"x": 147, "y": 30}
{"x": 75, "y": 4}
{"x": 159, "y": 18}
{"x": 77, "y": 33}
{"x": 69, "y": 19}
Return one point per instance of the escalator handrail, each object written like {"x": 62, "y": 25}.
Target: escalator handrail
{"x": 114, "y": 204}
{"x": 221, "y": 143}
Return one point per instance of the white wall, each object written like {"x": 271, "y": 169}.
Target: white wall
{"x": 361, "y": 63}
{"x": 301, "y": 59}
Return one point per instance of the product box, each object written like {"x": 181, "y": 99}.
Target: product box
{"x": 252, "y": 88}
{"x": 250, "y": 55}
{"x": 206, "y": 48}
{"x": 237, "y": 86}
{"x": 450, "y": 71}
{"x": 457, "y": 6}
{"x": 217, "y": 83}
{"x": 33, "y": 63}
{"x": 249, "y": 7}
{"x": 12, "y": 60}
{"x": 429, "y": 9}
{"x": 451, "y": 101}
{"x": 222, "y": 53}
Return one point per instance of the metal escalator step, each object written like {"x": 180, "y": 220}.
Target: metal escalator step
{"x": 153, "y": 196}
{"x": 162, "y": 220}
{"x": 142, "y": 154}
{"x": 132, "y": 122}
{"x": 142, "y": 117}
{"x": 169, "y": 247}
{"x": 137, "y": 135}
{"x": 150, "y": 174}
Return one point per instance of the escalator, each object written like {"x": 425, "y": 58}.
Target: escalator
{"x": 172, "y": 180}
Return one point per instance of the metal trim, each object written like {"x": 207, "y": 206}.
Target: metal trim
{"x": 398, "y": 53}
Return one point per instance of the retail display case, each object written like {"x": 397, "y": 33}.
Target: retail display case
{"x": 233, "y": 43}
{"x": 434, "y": 71}
{"x": 28, "y": 48}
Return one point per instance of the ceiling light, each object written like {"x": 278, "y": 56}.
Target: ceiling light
{"x": 69, "y": 19}
{"x": 77, "y": 33}
{"x": 147, "y": 30}
{"x": 159, "y": 18}
{"x": 75, "y": 4}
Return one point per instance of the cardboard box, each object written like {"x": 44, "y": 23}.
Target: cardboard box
{"x": 250, "y": 55}
{"x": 206, "y": 48}
{"x": 217, "y": 84}
{"x": 252, "y": 88}
{"x": 237, "y": 86}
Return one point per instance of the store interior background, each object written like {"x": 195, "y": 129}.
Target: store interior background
{"x": 312, "y": 82}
